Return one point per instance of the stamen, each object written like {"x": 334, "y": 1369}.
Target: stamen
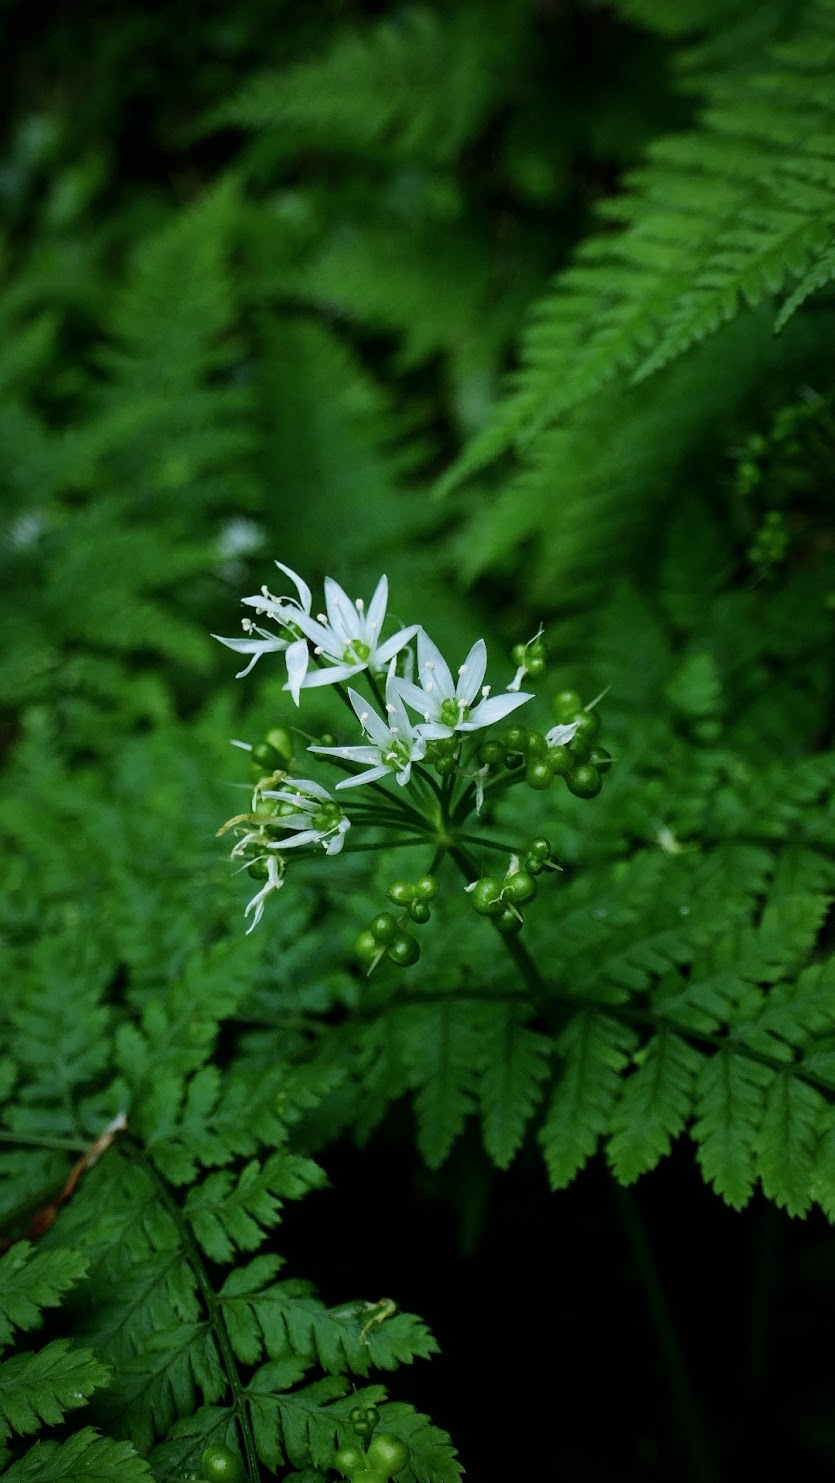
{"x": 462, "y": 669}
{"x": 322, "y": 617}
{"x": 485, "y": 691}
{"x": 359, "y": 604}
{"x": 318, "y": 649}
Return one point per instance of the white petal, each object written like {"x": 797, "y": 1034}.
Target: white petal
{"x": 305, "y": 596}
{"x": 418, "y": 698}
{"x": 342, "y": 615}
{"x": 376, "y": 615}
{"x": 298, "y": 658}
{"x": 433, "y": 668}
{"x": 369, "y": 720}
{"x": 495, "y": 708}
{"x": 393, "y": 645}
{"x": 434, "y": 730}
{"x": 319, "y": 634}
{"x": 333, "y": 674}
{"x": 363, "y": 777}
{"x": 559, "y": 735}
{"x": 350, "y": 754}
{"x": 309, "y": 836}
{"x": 475, "y": 665}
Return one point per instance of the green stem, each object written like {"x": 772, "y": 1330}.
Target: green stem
{"x": 213, "y": 1307}
{"x": 383, "y": 844}
{"x": 30, "y": 1140}
{"x": 685, "y": 1403}
{"x": 489, "y": 844}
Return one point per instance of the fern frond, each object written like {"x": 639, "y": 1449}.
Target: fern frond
{"x": 655, "y": 1104}
{"x": 41, "y": 1388}
{"x": 83, "y": 1458}
{"x": 596, "y": 1050}
{"x": 516, "y": 1064}
{"x": 32, "y": 1280}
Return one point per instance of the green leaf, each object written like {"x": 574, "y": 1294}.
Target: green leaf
{"x": 654, "y": 1106}
{"x": 595, "y": 1050}
{"x": 39, "y": 1388}
{"x": 84, "y": 1458}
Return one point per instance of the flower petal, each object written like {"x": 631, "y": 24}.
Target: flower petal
{"x": 494, "y": 708}
{"x": 559, "y": 735}
{"x": 351, "y": 754}
{"x": 305, "y": 595}
{"x": 318, "y": 634}
{"x": 434, "y": 730}
{"x": 433, "y": 671}
{"x": 418, "y": 698}
{"x": 342, "y": 615}
{"x": 472, "y": 673}
{"x": 369, "y": 720}
{"x": 298, "y": 658}
{"x": 393, "y": 645}
{"x": 333, "y": 674}
{"x": 376, "y": 615}
{"x": 363, "y": 777}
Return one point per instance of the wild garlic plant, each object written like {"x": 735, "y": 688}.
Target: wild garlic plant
{"x": 426, "y": 756}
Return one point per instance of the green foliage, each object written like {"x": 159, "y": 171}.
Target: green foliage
{"x": 268, "y": 314}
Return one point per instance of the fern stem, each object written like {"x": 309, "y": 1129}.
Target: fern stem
{"x": 685, "y": 1403}
{"x": 213, "y": 1308}
{"x": 35, "y": 1140}
{"x": 540, "y": 992}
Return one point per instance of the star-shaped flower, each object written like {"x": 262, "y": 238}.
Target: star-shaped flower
{"x": 286, "y": 612}
{"x": 447, "y": 706}
{"x": 347, "y": 637}
{"x": 394, "y": 746}
{"x": 312, "y": 813}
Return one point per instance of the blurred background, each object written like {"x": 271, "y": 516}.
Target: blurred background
{"x": 265, "y": 268}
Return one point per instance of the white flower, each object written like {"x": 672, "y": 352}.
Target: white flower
{"x": 394, "y": 745}
{"x": 274, "y": 881}
{"x": 448, "y": 707}
{"x": 286, "y": 611}
{"x": 314, "y": 815}
{"x": 348, "y": 637}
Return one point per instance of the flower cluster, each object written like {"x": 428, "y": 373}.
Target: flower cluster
{"x": 418, "y": 719}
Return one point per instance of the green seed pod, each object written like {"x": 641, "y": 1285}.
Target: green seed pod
{"x": 579, "y": 748}
{"x": 384, "y": 928}
{"x": 404, "y": 951}
{"x": 444, "y": 765}
{"x": 537, "y": 745}
{"x": 486, "y": 897}
{"x": 366, "y": 947}
{"x": 589, "y": 725}
{"x": 490, "y": 752}
{"x": 561, "y": 761}
{"x": 258, "y": 870}
{"x": 281, "y": 741}
{"x": 219, "y": 1464}
{"x": 600, "y": 758}
{"x": 401, "y": 893}
{"x": 585, "y": 781}
{"x": 566, "y": 704}
{"x": 426, "y": 889}
{"x": 419, "y": 912}
{"x": 508, "y": 922}
{"x": 388, "y": 1453}
{"x": 519, "y": 887}
{"x": 515, "y": 738}
{"x": 539, "y": 774}
{"x": 349, "y": 1460}
{"x": 540, "y": 849}
{"x": 266, "y": 757}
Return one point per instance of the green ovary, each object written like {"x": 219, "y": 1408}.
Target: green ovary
{"x": 453, "y": 712}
